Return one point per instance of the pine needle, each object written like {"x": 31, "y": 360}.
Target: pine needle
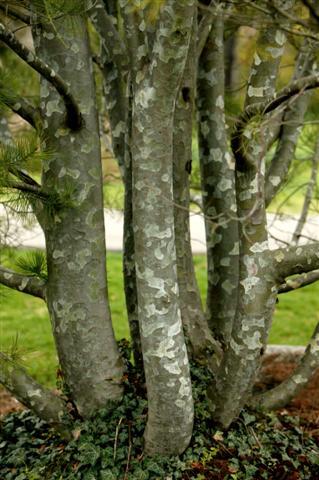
{"x": 33, "y": 264}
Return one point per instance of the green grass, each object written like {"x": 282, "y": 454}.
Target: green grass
{"x": 26, "y": 318}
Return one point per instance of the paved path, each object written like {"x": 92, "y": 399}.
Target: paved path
{"x": 31, "y": 236}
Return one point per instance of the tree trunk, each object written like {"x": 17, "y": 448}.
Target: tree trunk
{"x": 199, "y": 339}
{"x": 170, "y": 414}
{"x": 218, "y": 188}
{"x": 73, "y": 223}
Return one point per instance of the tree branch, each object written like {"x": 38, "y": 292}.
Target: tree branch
{"x": 309, "y": 195}
{"x": 299, "y": 282}
{"x": 24, "y": 109}
{"x": 295, "y": 260}
{"x": 16, "y": 14}
{"x": 282, "y": 394}
{"x": 74, "y": 118}
{"x": 40, "y": 400}
{"x": 204, "y": 27}
{"x": 23, "y": 283}
{"x": 24, "y": 177}
{"x": 312, "y": 9}
{"x": 110, "y": 38}
{"x": 293, "y": 118}
{"x": 298, "y": 86}
{"x": 29, "y": 188}
{"x": 134, "y": 37}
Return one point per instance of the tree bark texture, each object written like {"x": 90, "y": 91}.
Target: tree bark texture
{"x": 74, "y": 225}
{"x": 170, "y": 414}
{"x": 218, "y": 188}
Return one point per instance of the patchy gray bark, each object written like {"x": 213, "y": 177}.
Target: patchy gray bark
{"x": 74, "y": 226}
{"x": 170, "y": 414}
{"x": 44, "y": 403}
{"x": 281, "y": 395}
{"x": 199, "y": 340}
{"x": 22, "y": 283}
{"x": 292, "y": 120}
{"x": 218, "y": 188}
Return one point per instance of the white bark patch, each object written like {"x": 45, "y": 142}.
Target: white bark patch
{"x": 225, "y": 184}
{"x": 154, "y": 231}
{"x": 35, "y": 393}
{"x": 275, "y": 52}
{"x": 220, "y": 102}
{"x": 314, "y": 345}
{"x": 230, "y": 161}
{"x": 57, "y": 254}
{"x": 236, "y": 347}
{"x": 119, "y": 129}
{"x": 30, "y": 57}
{"x": 158, "y": 254}
{"x": 253, "y": 342}
{"x": 7, "y": 276}
{"x": 175, "y": 329}
{"x": 204, "y": 128}
{"x": 255, "y": 91}
{"x": 279, "y": 256}
{"x": 228, "y": 286}
{"x": 211, "y": 77}
{"x": 53, "y": 106}
{"x": 249, "y": 283}
{"x": 254, "y": 185}
{"x": 145, "y": 96}
{"x": 235, "y": 250}
{"x": 298, "y": 379}
{"x": 257, "y": 59}
{"x": 260, "y": 247}
{"x": 274, "y": 180}
{"x": 280, "y": 37}
{"x": 216, "y": 154}
{"x": 23, "y": 284}
{"x": 225, "y": 262}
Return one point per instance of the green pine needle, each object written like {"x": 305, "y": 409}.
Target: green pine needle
{"x": 33, "y": 264}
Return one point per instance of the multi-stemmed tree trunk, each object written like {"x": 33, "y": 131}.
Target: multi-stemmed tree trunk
{"x": 160, "y": 73}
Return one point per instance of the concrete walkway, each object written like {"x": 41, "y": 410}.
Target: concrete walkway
{"x": 14, "y": 232}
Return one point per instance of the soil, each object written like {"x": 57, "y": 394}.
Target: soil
{"x": 305, "y": 405}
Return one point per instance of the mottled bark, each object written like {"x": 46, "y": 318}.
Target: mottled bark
{"x": 292, "y": 120}
{"x": 257, "y": 293}
{"x": 45, "y": 404}
{"x": 74, "y": 225}
{"x": 22, "y": 283}
{"x": 295, "y": 260}
{"x": 129, "y": 269}
{"x": 73, "y": 116}
{"x": 298, "y": 282}
{"x": 5, "y": 134}
{"x": 218, "y": 188}
{"x": 281, "y": 395}
{"x": 257, "y": 297}
{"x": 114, "y": 66}
{"x": 264, "y": 71}
{"x": 170, "y": 414}
{"x": 25, "y": 110}
{"x": 198, "y": 337}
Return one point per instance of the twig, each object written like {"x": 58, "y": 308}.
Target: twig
{"x": 117, "y": 431}
{"x": 129, "y": 451}
{"x": 74, "y": 118}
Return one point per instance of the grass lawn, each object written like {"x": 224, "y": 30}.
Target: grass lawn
{"x": 24, "y": 320}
